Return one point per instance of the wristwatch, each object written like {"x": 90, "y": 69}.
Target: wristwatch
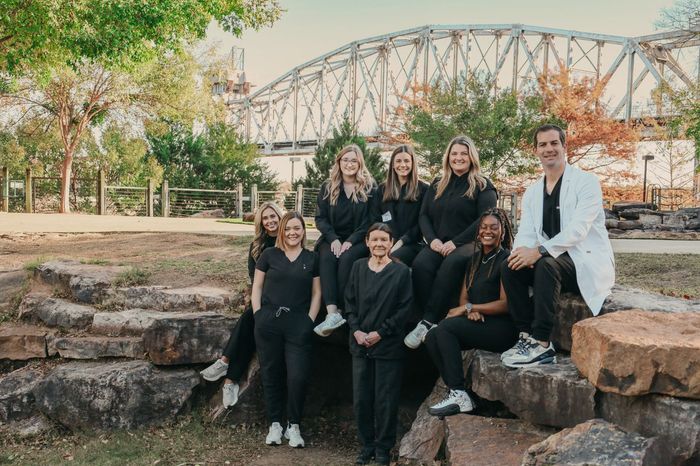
{"x": 468, "y": 307}
{"x": 543, "y": 251}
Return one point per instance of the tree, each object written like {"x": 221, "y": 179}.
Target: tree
{"x": 501, "y": 125}
{"x": 683, "y": 15}
{"x": 595, "y": 141}
{"x": 319, "y": 169}
{"x": 42, "y": 34}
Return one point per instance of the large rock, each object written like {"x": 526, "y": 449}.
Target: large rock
{"x": 675, "y": 421}
{"x": 187, "y": 338}
{"x": 95, "y": 347}
{"x": 596, "y": 443}
{"x": 427, "y": 434}
{"x": 635, "y": 213}
{"x": 639, "y": 352}
{"x": 123, "y": 395}
{"x": 485, "y": 441}
{"x": 129, "y": 322}
{"x": 56, "y": 312}
{"x": 620, "y": 206}
{"x": 12, "y": 284}
{"x": 29, "y": 427}
{"x": 22, "y": 342}
{"x": 552, "y": 394}
{"x": 16, "y": 397}
{"x": 250, "y": 407}
{"x": 87, "y": 283}
{"x": 196, "y": 298}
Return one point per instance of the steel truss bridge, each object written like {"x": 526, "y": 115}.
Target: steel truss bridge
{"x": 365, "y": 80}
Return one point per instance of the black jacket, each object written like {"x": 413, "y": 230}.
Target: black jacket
{"x": 326, "y": 214}
{"x": 404, "y": 214}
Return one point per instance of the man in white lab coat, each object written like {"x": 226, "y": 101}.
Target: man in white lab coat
{"x": 561, "y": 245}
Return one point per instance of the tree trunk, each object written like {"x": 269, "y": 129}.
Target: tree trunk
{"x": 66, "y": 169}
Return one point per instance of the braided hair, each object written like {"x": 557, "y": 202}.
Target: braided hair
{"x": 505, "y": 241}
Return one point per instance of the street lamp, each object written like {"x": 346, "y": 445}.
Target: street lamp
{"x": 294, "y": 159}
{"x": 646, "y": 159}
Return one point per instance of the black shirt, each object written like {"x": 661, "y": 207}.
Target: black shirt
{"x": 378, "y": 301}
{"x": 486, "y": 286}
{"x": 343, "y": 224}
{"x": 401, "y": 215}
{"x": 551, "y": 219}
{"x": 268, "y": 242}
{"x": 453, "y": 217}
{"x": 287, "y": 284}
{"x": 345, "y": 221}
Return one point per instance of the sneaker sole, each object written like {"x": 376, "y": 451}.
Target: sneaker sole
{"x": 296, "y": 446}
{"x": 450, "y": 410}
{"x": 212, "y": 379}
{"x": 326, "y": 332}
{"x": 512, "y": 365}
{"x": 273, "y": 444}
{"x": 410, "y": 345}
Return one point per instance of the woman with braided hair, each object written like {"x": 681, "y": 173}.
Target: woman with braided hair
{"x": 481, "y": 321}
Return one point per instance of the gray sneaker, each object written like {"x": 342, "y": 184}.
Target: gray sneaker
{"x": 230, "y": 394}
{"x": 417, "y": 335}
{"x": 293, "y": 434}
{"x": 522, "y": 340}
{"x": 331, "y": 322}
{"x": 531, "y": 354}
{"x": 215, "y": 371}
{"x": 274, "y": 436}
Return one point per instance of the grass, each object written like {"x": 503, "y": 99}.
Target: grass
{"x": 669, "y": 274}
{"x": 134, "y": 276}
{"x": 33, "y": 264}
{"x": 95, "y": 262}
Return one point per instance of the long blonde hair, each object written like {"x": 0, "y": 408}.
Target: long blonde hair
{"x": 474, "y": 175}
{"x": 283, "y": 224}
{"x": 392, "y": 186}
{"x": 363, "y": 178}
{"x": 260, "y": 232}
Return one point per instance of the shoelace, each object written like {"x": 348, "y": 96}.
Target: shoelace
{"x": 526, "y": 346}
{"x": 280, "y": 309}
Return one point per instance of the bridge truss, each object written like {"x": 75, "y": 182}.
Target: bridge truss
{"x": 367, "y": 79}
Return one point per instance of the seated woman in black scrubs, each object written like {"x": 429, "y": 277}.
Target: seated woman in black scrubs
{"x": 398, "y": 202}
{"x": 286, "y": 298}
{"x": 343, "y": 215}
{"x": 481, "y": 321}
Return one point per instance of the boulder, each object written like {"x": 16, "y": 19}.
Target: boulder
{"x": 640, "y": 352}
{"x": 119, "y": 395}
{"x": 675, "y": 421}
{"x": 693, "y": 225}
{"x": 196, "y": 298}
{"x": 129, "y": 322}
{"x": 25, "y": 428}
{"x": 625, "y": 205}
{"x": 95, "y": 347}
{"x": 611, "y": 223}
{"x": 551, "y": 394}
{"x": 248, "y": 216}
{"x": 635, "y": 213}
{"x": 676, "y": 220}
{"x": 609, "y": 214}
{"x": 596, "y": 443}
{"x": 16, "y": 398}
{"x": 629, "y": 224}
{"x": 423, "y": 441}
{"x": 22, "y": 342}
{"x": 250, "y": 407}
{"x": 12, "y": 283}
{"x": 484, "y": 441}
{"x": 87, "y": 283}
{"x": 650, "y": 220}
{"x": 187, "y": 338}
{"x": 56, "y": 312}
{"x": 214, "y": 213}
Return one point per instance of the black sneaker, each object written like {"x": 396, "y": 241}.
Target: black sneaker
{"x": 383, "y": 457}
{"x": 365, "y": 456}
{"x": 531, "y": 354}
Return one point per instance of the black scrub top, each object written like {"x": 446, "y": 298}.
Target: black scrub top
{"x": 487, "y": 287}
{"x": 268, "y": 242}
{"x": 287, "y": 284}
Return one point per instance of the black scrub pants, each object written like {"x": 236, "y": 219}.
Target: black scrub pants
{"x": 241, "y": 346}
{"x": 548, "y": 279}
{"x": 376, "y": 387}
{"x": 437, "y": 280}
{"x": 446, "y": 342}
{"x": 335, "y": 271}
{"x": 407, "y": 253}
{"x": 284, "y": 345}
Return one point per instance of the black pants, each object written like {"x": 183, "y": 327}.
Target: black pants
{"x": 284, "y": 343}
{"x": 446, "y": 342}
{"x": 241, "y": 346}
{"x": 406, "y": 254}
{"x": 376, "y": 387}
{"x": 548, "y": 279}
{"x": 335, "y": 271}
{"x": 437, "y": 280}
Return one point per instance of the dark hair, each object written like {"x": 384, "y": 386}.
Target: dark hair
{"x": 505, "y": 242}
{"x": 550, "y": 127}
{"x": 283, "y": 224}
{"x": 392, "y": 186}
{"x": 379, "y": 226}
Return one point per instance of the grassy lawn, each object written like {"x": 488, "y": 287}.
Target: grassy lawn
{"x": 669, "y": 274}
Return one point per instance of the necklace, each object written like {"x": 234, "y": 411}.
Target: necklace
{"x": 492, "y": 256}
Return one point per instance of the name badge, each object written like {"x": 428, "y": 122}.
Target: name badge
{"x": 386, "y": 217}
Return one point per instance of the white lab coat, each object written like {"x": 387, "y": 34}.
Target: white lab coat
{"x": 583, "y": 234}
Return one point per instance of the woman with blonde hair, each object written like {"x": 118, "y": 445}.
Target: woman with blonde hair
{"x": 241, "y": 344}
{"x": 449, "y": 222}
{"x": 343, "y": 217}
{"x": 398, "y": 202}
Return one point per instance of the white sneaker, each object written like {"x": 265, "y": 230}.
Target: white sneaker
{"x": 332, "y": 321}
{"x": 532, "y": 354}
{"x": 522, "y": 340}
{"x": 274, "y": 436}
{"x": 417, "y": 335}
{"x": 456, "y": 401}
{"x": 294, "y": 436}
{"x": 215, "y": 371}
{"x": 230, "y": 394}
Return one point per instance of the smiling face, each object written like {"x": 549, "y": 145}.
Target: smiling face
{"x": 490, "y": 232}
{"x": 402, "y": 165}
{"x": 270, "y": 221}
{"x": 379, "y": 244}
{"x": 293, "y": 233}
{"x": 349, "y": 164}
{"x": 459, "y": 159}
{"x": 550, "y": 150}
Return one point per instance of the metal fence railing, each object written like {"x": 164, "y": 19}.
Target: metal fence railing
{"x": 46, "y": 194}
{"x": 126, "y": 200}
{"x": 287, "y": 200}
{"x": 671, "y": 199}
{"x": 308, "y": 201}
{"x": 187, "y": 202}
{"x": 510, "y": 202}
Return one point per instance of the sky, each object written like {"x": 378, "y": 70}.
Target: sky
{"x": 310, "y": 28}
